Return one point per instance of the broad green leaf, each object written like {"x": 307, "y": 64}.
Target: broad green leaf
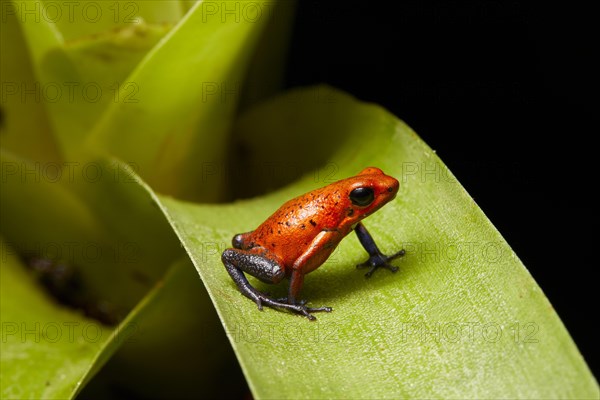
{"x": 78, "y": 72}
{"x": 82, "y": 213}
{"x": 38, "y": 335}
{"x": 36, "y": 29}
{"x": 51, "y": 69}
{"x": 176, "y": 347}
{"x": 24, "y": 124}
{"x": 189, "y": 87}
{"x": 186, "y": 5}
{"x": 101, "y": 220}
{"x": 88, "y": 18}
{"x": 462, "y": 319}
{"x": 99, "y": 76}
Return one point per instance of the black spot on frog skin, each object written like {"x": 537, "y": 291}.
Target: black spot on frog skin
{"x": 303, "y": 226}
{"x": 287, "y": 223}
{"x": 350, "y": 212}
{"x": 313, "y": 223}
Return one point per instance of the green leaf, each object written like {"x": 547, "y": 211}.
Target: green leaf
{"x": 102, "y": 222}
{"x": 176, "y": 323}
{"x": 87, "y": 19}
{"x": 82, "y": 213}
{"x": 98, "y": 218}
{"x": 81, "y": 55}
{"x": 24, "y": 124}
{"x": 38, "y": 335}
{"x": 462, "y": 319}
{"x": 189, "y": 88}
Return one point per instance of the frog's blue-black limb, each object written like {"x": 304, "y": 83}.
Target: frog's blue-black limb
{"x": 376, "y": 258}
{"x": 238, "y": 261}
{"x": 256, "y": 265}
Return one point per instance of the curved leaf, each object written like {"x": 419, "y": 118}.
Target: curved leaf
{"x": 462, "y": 319}
{"x": 87, "y": 19}
{"x": 176, "y": 347}
{"x": 38, "y": 335}
{"x": 189, "y": 90}
{"x": 83, "y": 215}
{"x": 81, "y": 55}
{"x": 103, "y": 224}
{"x": 24, "y": 125}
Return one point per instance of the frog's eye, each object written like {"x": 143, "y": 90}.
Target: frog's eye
{"x": 362, "y": 196}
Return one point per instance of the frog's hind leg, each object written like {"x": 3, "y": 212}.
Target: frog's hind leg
{"x": 239, "y": 261}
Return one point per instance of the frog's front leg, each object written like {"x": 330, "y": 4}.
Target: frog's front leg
{"x": 376, "y": 258}
{"x": 238, "y": 261}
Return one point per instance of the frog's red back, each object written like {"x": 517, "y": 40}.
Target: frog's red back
{"x": 293, "y": 227}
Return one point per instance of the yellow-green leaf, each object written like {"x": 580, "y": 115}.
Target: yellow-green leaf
{"x": 81, "y": 55}
{"x": 462, "y": 319}
{"x": 100, "y": 222}
{"x": 189, "y": 88}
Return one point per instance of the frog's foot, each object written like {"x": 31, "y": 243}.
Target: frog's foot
{"x": 236, "y": 262}
{"x": 285, "y": 300}
{"x": 376, "y": 258}
{"x": 299, "y": 308}
{"x": 380, "y": 260}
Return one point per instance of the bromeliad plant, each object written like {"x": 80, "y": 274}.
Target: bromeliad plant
{"x": 126, "y": 128}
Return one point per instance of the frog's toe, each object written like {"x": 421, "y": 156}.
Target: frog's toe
{"x": 285, "y": 300}
{"x": 319, "y": 309}
{"x": 258, "y": 302}
{"x": 380, "y": 260}
{"x": 306, "y": 311}
{"x": 396, "y": 255}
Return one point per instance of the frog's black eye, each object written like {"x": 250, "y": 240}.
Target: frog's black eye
{"x": 362, "y": 196}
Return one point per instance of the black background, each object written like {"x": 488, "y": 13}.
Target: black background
{"x": 503, "y": 92}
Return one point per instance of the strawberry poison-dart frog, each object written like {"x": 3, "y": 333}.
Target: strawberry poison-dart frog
{"x": 303, "y": 233}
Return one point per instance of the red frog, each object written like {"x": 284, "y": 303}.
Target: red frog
{"x": 303, "y": 233}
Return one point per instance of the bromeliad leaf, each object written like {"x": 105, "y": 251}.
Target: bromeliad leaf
{"x": 81, "y": 56}
{"x": 189, "y": 89}
{"x": 463, "y": 318}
